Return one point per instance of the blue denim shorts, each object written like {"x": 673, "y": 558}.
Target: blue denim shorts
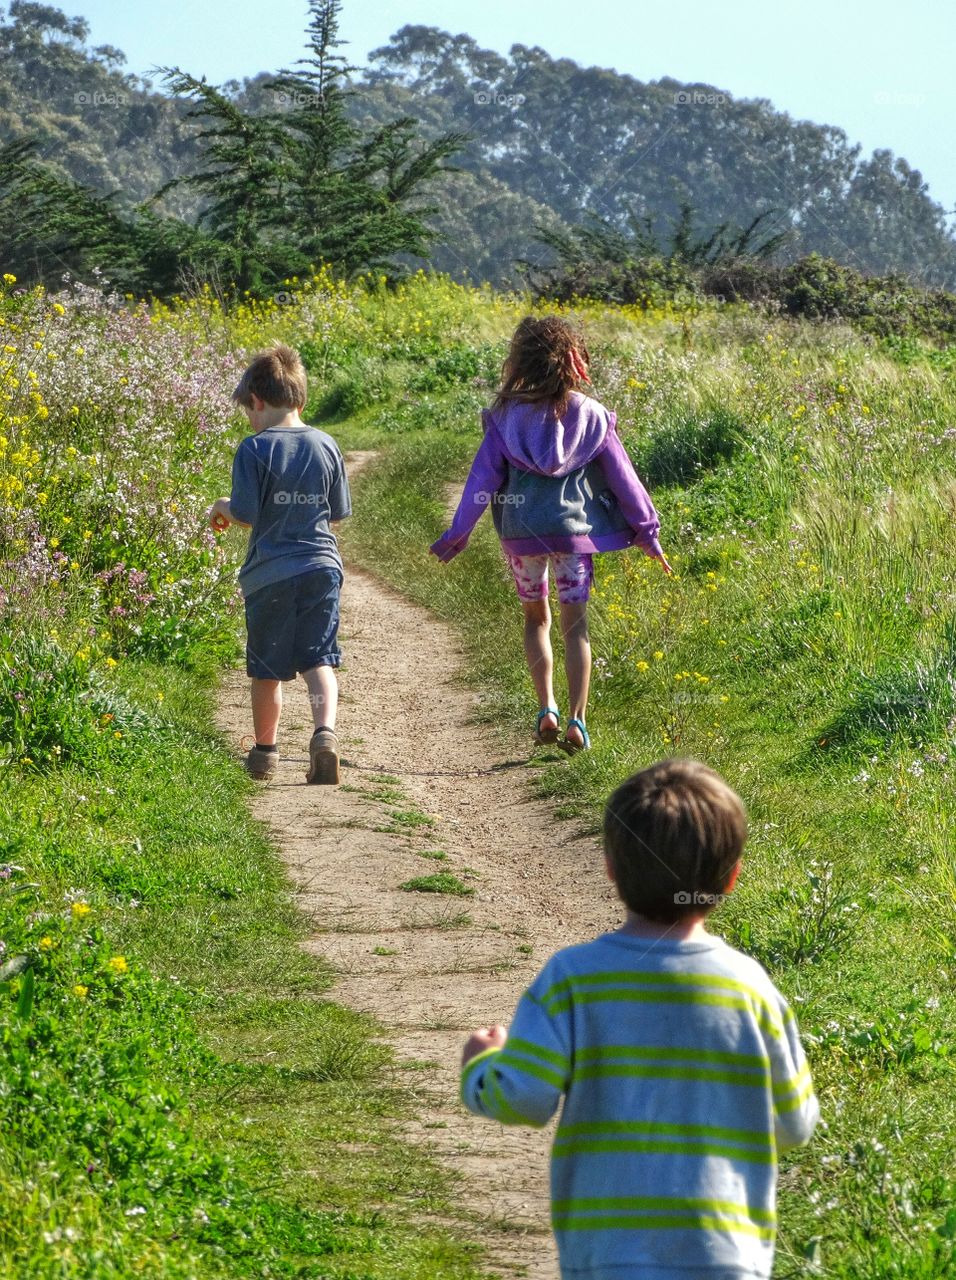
{"x": 293, "y": 625}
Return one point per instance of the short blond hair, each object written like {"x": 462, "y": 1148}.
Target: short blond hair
{"x": 672, "y": 834}
{"x": 277, "y": 376}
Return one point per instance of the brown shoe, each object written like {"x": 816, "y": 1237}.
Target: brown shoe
{"x": 323, "y": 757}
{"x": 261, "y": 765}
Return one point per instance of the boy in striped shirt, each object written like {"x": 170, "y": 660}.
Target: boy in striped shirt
{"x": 679, "y": 1062}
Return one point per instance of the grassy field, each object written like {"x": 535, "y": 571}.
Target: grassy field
{"x": 168, "y": 1072}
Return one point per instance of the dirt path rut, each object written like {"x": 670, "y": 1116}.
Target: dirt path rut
{"x": 418, "y": 777}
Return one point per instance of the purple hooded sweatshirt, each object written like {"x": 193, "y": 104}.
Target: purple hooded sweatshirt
{"x": 554, "y": 485}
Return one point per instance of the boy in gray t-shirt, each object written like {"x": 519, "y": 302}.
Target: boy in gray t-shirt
{"x": 288, "y": 486}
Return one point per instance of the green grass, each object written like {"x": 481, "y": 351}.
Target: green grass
{"x": 440, "y": 882}
{"x": 183, "y": 1098}
{"x": 805, "y": 651}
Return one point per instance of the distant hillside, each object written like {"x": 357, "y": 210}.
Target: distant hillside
{"x": 586, "y": 140}
{"x": 550, "y": 143}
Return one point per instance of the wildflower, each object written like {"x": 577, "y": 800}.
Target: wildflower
{"x": 9, "y": 279}
{"x": 724, "y": 697}
{"x": 80, "y": 991}
{"x": 643, "y": 666}
{"x": 80, "y": 909}
{"x": 59, "y": 308}
{"x": 111, "y": 662}
{"x": 160, "y": 696}
{"x": 118, "y": 965}
{"x": 117, "y": 733}
{"x": 47, "y": 943}
{"x": 658, "y": 654}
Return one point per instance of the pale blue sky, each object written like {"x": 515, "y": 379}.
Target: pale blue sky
{"x": 879, "y": 69}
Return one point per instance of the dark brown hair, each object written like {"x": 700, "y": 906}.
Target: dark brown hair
{"x": 276, "y": 376}
{"x": 673, "y": 833}
{"x": 539, "y": 364}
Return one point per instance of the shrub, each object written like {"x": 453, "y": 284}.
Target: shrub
{"x": 678, "y": 452}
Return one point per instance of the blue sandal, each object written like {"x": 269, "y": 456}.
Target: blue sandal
{"x": 572, "y": 748}
{"x": 547, "y": 737}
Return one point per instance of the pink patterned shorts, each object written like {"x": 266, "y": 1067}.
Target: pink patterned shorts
{"x": 573, "y": 575}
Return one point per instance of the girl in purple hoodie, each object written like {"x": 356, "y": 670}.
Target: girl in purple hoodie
{"x": 560, "y": 486}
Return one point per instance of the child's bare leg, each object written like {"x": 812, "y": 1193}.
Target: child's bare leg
{"x": 577, "y": 663}
{"x": 266, "y": 709}
{"x": 537, "y": 651}
{"x": 323, "y": 695}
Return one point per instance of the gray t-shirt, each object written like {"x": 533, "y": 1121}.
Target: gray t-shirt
{"x": 288, "y": 483}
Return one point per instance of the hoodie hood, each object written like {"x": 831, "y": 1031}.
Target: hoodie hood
{"x": 535, "y": 441}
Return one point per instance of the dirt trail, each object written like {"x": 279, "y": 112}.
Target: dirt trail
{"x": 411, "y": 959}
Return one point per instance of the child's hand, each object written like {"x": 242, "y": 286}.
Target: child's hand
{"x": 482, "y": 1039}
{"x": 217, "y": 517}
{"x": 663, "y": 563}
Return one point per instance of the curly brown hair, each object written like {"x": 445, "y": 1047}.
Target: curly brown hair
{"x": 546, "y": 362}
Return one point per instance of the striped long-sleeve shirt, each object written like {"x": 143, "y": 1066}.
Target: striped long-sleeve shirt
{"x": 683, "y": 1079}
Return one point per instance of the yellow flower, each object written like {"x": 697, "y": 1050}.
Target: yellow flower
{"x": 9, "y": 279}
{"x": 42, "y": 499}
{"x": 80, "y": 909}
{"x": 160, "y": 697}
{"x": 117, "y": 733}
{"x": 724, "y": 697}
{"x": 59, "y": 309}
{"x": 111, "y": 662}
{"x": 118, "y": 964}
{"x": 80, "y": 991}
{"x": 54, "y": 543}
{"x": 658, "y": 654}
{"x": 46, "y": 943}
{"x": 643, "y": 666}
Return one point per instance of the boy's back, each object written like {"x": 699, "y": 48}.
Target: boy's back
{"x": 684, "y": 1076}
{"x": 288, "y": 483}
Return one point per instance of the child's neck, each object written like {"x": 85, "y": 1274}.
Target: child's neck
{"x": 689, "y": 929}
{"x": 277, "y": 417}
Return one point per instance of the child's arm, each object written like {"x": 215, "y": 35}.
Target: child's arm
{"x": 632, "y": 497}
{"x": 796, "y": 1110}
{"x": 220, "y": 515}
{"x": 487, "y": 475}
{"x": 518, "y": 1077}
{"x": 242, "y": 506}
